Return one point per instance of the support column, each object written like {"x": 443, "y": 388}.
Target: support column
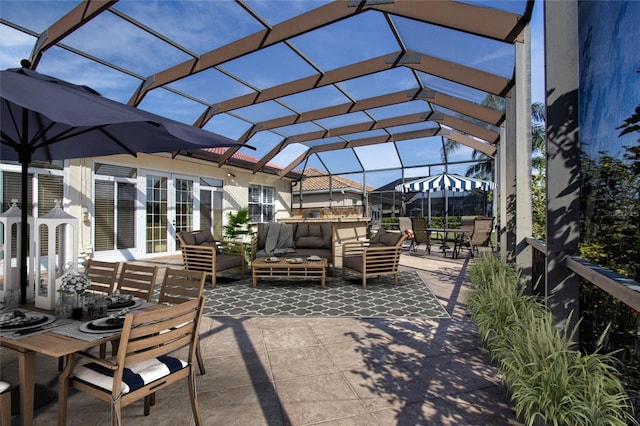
{"x": 508, "y": 190}
{"x": 563, "y": 156}
{"x": 522, "y": 95}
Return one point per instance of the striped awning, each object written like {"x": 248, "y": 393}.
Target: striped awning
{"x": 445, "y": 181}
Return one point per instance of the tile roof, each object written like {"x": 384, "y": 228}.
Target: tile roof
{"x": 315, "y": 180}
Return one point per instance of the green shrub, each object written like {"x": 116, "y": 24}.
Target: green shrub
{"x": 550, "y": 381}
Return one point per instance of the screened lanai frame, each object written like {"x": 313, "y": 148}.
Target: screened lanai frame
{"x": 336, "y": 86}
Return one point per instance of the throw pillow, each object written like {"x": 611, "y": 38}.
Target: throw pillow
{"x": 302, "y": 230}
{"x": 188, "y": 237}
{"x": 203, "y": 236}
{"x": 315, "y": 231}
{"x": 390, "y": 238}
{"x": 327, "y": 231}
{"x": 379, "y": 234}
{"x": 263, "y": 229}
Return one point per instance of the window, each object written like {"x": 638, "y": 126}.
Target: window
{"x": 115, "y": 205}
{"x": 261, "y": 203}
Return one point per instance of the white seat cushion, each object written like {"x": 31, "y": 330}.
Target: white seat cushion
{"x": 4, "y": 386}
{"x": 133, "y": 377}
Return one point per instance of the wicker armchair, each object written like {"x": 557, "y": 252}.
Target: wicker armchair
{"x": 379, "y": 256}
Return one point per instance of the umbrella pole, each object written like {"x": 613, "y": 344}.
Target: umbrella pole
{"x": 24, "y": 236}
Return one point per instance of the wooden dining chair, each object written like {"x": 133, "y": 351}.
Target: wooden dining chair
{"x": 179, "y": 286}
{"x": 103, "y": 275}
{"x": 5, "y": 404}
{"x": 137, "y": 280}
{"x": 145, "y": 362}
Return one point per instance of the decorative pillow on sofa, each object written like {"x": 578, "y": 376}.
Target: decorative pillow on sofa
{"x": 315, "y": 231}
{"x": 327, "y": 231}
{"x": 309, "y": 242}
{"x": 263, "y": 229}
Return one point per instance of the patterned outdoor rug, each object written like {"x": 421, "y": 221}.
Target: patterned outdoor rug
{"x": 234, "y": 296}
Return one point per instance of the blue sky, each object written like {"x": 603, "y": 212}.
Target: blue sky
{"x": 198, "y": 30}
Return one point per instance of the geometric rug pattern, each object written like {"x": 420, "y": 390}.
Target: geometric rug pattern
{"x": 234, "y": 296}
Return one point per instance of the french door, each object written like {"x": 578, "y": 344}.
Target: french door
{"x": 170, "y": 204}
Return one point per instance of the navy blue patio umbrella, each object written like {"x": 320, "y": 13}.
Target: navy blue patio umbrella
{"x": 45, "y": 118}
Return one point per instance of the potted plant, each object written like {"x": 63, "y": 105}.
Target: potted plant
{"x": 238, "y": 226}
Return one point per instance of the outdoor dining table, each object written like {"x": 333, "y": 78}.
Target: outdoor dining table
{"x": 52, "y": 342}
{"x": 443, "y": 233}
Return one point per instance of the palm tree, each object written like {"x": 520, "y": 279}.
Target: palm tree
{"x": 538, "y": 136}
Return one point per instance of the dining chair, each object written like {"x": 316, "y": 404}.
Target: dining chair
{"x": 137, "y": 280}
{"x": 103, "y": 275}
{"x": 480, "y": 236}
{"x": 179, "y": 286}
{"x": 420, "y": 235}
{"x": 145, "y": 363}
{"x": 5, "y": 404}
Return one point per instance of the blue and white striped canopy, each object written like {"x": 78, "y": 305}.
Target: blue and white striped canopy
{"x": 445, "y": 181}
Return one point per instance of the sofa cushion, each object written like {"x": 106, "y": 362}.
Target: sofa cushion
{"x": 315, "y": 231}
{"x": 309, "y": 242}
{"x": 306, "y": 252}
{"x": 203, "y": 236}
{"x": 188, "y": 237}
{"x": 263, "y": 228}
{"x": 302, "y": 230}
{"x": 327, "y": 234}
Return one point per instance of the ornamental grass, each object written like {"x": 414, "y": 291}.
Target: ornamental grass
{"x": 550, "y": 381}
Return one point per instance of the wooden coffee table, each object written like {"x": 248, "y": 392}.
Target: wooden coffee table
{"x": 286, "y": 267}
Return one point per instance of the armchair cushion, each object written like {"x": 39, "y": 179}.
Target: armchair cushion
{"x": 391, "y": 238}
{"x": 188, "y": 237}
{"x": 384, "y": 238}
{"x": 203, "y": 236}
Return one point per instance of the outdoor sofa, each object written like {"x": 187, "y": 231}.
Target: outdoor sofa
{"x": 294, "y": 240}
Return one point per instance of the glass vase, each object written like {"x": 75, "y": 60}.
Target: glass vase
{"x": 76, "y": 312}
{"x": 63, "y": 306}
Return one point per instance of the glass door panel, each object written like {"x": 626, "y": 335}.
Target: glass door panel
{"x": 157, "y": 204}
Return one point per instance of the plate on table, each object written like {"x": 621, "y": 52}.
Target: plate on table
{"x": 272, "y": 259}
{"x": 131, "y": 304}
{"x": 102, "y": 325}
{"x": 295, "y": 260}
{"x": 19, "y": 320}
{"x": 314, "y": 258}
